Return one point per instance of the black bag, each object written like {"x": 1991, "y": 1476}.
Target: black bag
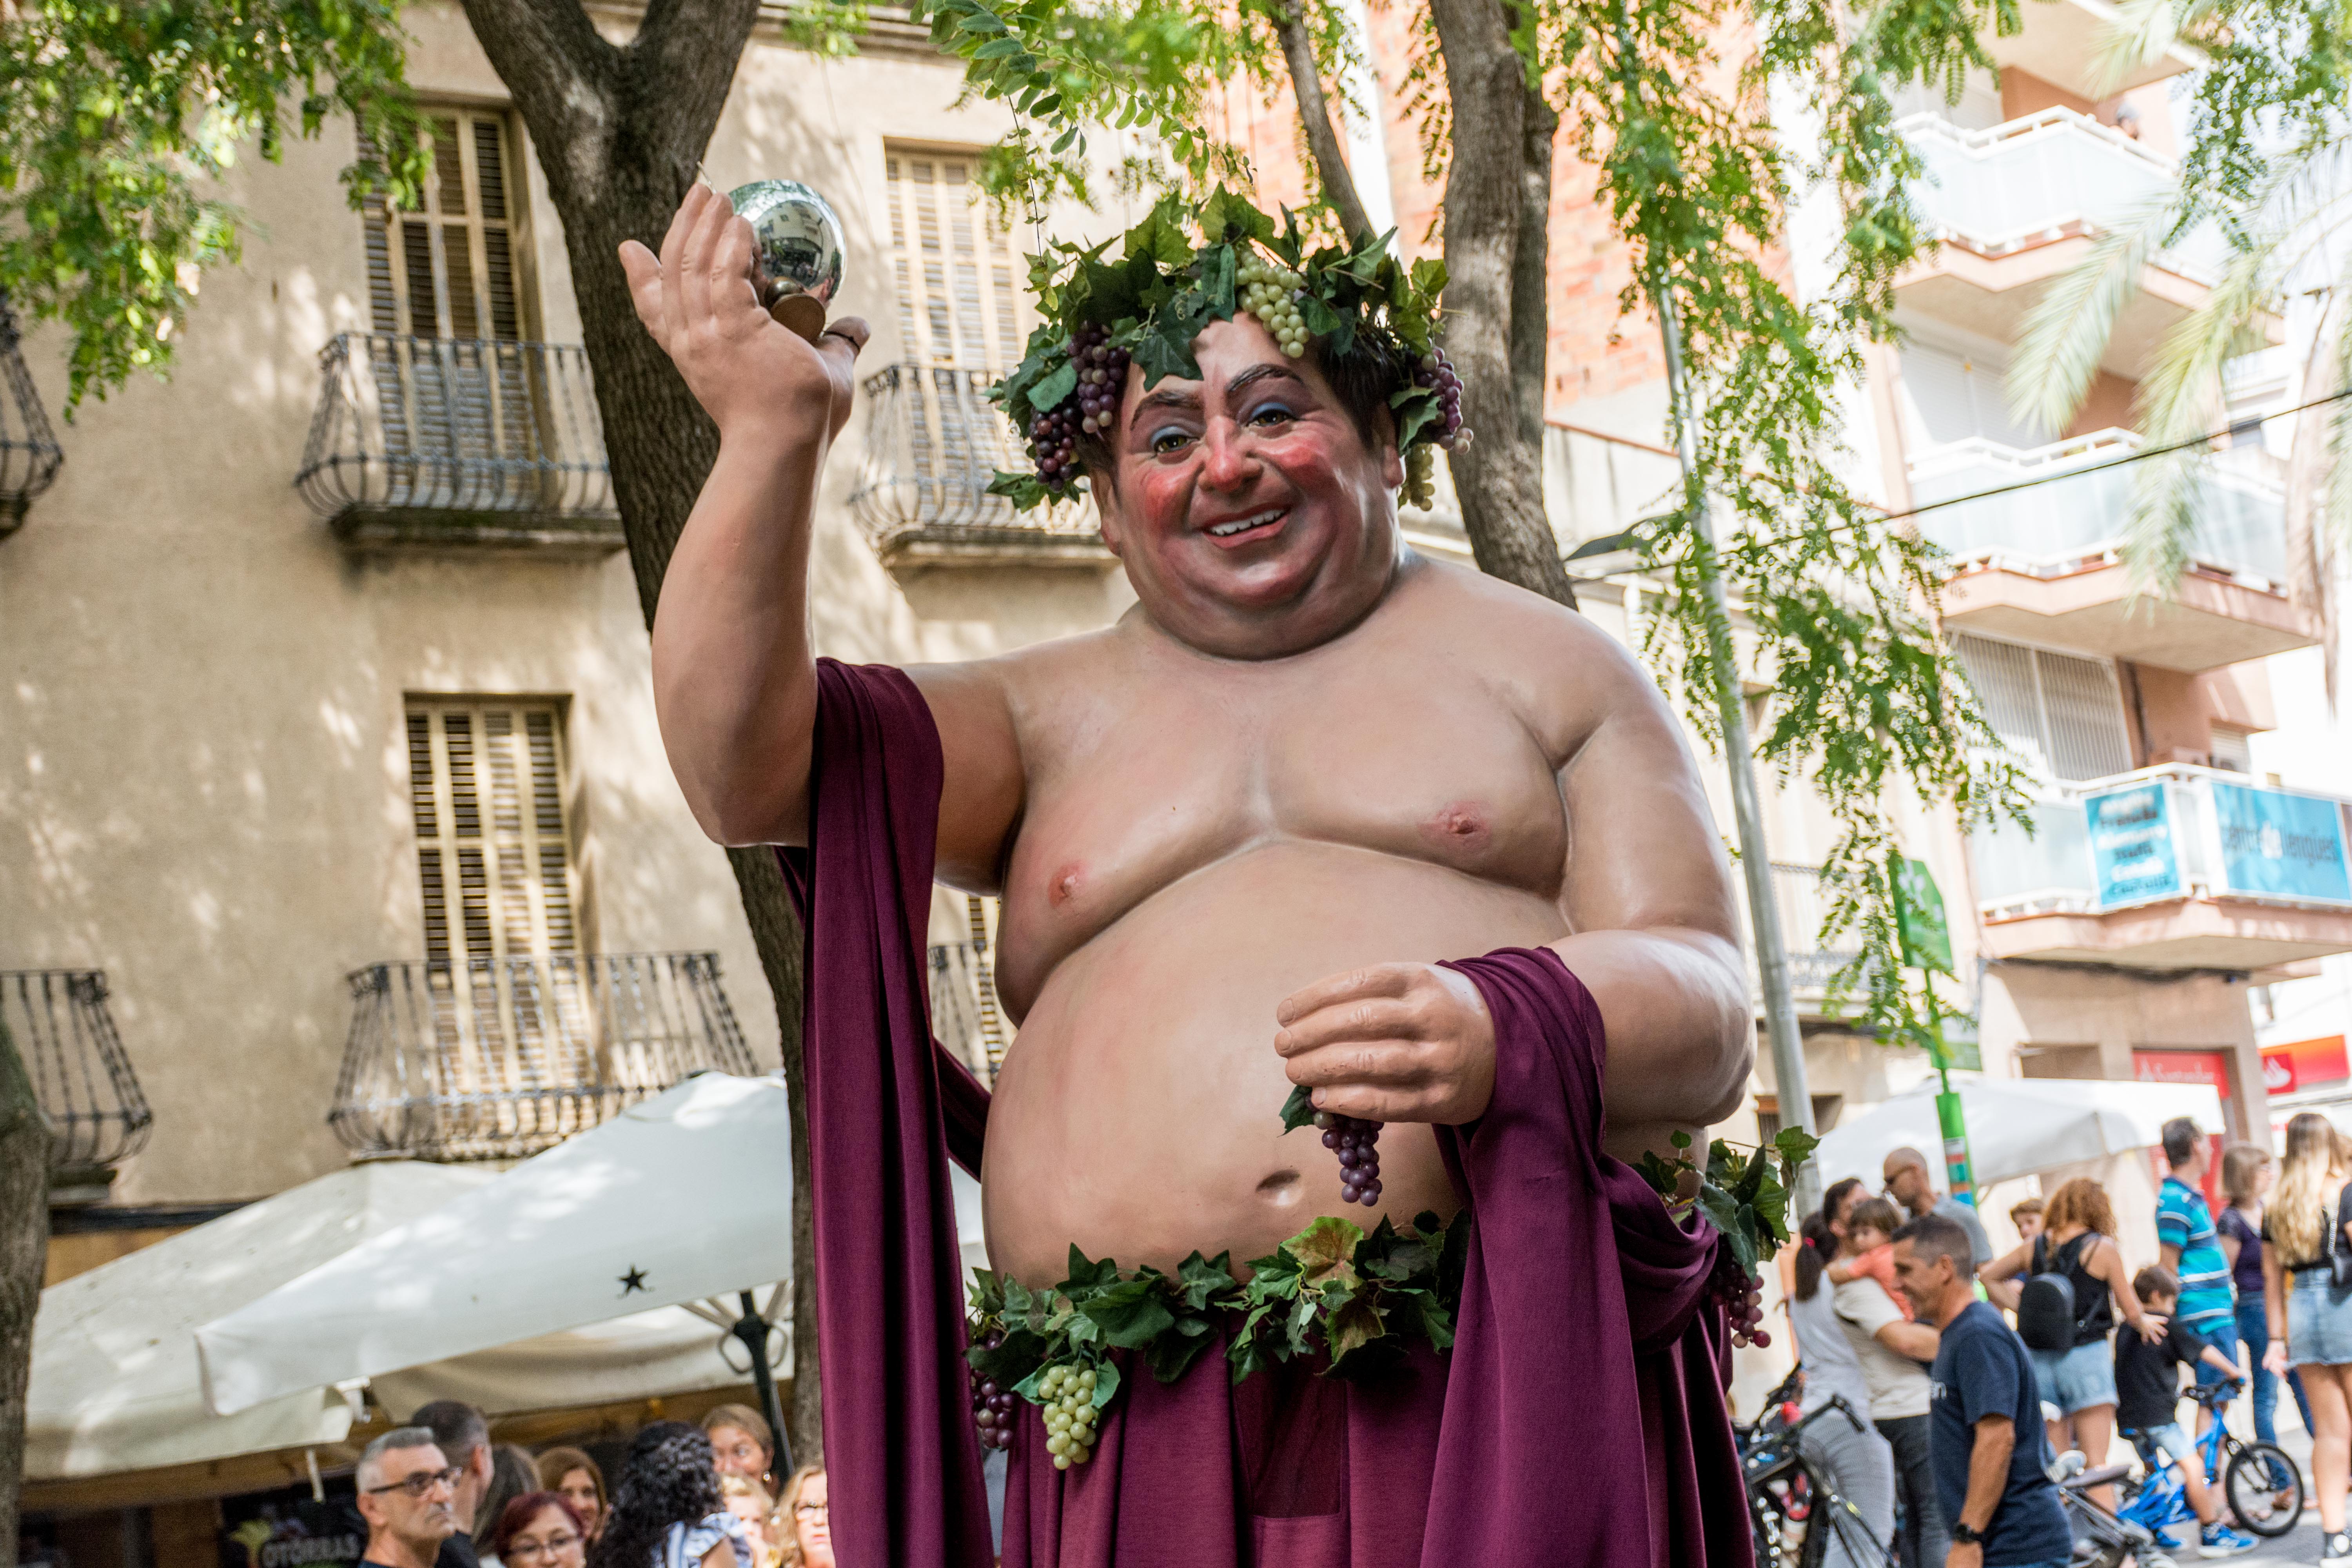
{"x": 2339, "y": 1252}
{"x": 2047, "y": 1312}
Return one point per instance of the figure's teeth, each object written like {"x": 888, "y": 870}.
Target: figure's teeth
{"x": 1241, "y": 525}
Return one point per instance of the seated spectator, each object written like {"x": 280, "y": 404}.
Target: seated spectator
{"x": 667, "y": 1512}
{"x": 539, "y": 1529}
{"x": 1870, "y": 1228}
{"x": 807, "y": 1524}
{"x": 2147, "y": 1382}
{"x": 572, "y": 1472}
{"x": 740, "y": 1442}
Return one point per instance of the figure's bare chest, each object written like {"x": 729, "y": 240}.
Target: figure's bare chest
{"x": 1141, "y": 787}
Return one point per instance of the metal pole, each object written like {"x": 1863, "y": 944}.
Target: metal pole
{"x": 1746, "y": 805}
{"x": 753, "y": 1329}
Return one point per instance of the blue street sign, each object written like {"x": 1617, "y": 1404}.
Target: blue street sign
{"x": 2132, "y": 854}
{"x": 2288, "y": 846}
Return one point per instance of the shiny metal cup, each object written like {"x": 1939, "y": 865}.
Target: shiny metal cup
{"x": 797, "y": 257}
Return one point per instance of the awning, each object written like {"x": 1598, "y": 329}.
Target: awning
{"x": 2017, "y": 1126}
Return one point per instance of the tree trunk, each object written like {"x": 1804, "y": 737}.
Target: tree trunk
{"x": 1499, "y": 477}
{"x": 1315, "y": 113}
{"x": 24, "y": 1258}
{"x": 620, "y": 132}
{"x": 1530, "y": 272}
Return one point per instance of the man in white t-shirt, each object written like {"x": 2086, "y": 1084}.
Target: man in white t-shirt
{"x": 1894, "y": 1351}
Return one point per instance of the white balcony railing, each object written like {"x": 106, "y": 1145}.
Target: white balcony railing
{"x": 2042, "y": 177}
{"x": 2168, "y": 833}
{"x": 2056, "y": 525}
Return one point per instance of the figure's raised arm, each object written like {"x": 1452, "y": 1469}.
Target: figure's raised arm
{"x": 1650, "y": 897}
{"x": 734, "y": 682}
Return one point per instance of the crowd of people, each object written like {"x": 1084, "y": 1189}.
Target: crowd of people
{"x": 1897, "y": 1306}
{"x": 439, "y": 1493}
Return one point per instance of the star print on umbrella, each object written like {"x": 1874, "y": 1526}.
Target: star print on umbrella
{"x": 634, "y": 1281}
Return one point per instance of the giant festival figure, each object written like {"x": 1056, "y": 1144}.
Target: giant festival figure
{"x": 1317, "y": 813}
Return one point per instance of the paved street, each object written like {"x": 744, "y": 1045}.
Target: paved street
{"x": 2301, "y": 1547}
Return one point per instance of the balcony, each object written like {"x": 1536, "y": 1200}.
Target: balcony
{"x": 98, "y": 1114}
{"x": 2017, "y": 205}
{"x": 2061, "y": 41}
{"x": 499, "y": 1058}
{"x": 2170, "y": 868}
{"x": 933, "y": 442}
{"x": 29, "y": 454}
{"x": 2043, "y": 564}
{"x": 429, "y": 444}
{"x": 964, "y": 1011}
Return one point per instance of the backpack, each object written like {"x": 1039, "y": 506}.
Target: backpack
{"x": 2047, "y": 1313}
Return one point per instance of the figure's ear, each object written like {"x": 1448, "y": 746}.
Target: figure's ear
{"x": 1107, "y": 511}
{"x": 1384, "y": 441}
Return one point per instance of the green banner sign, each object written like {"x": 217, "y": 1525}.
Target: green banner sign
{"x": 1926, "y": 935}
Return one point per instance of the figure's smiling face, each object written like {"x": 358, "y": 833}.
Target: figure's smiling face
{"x": 1253, "y": 517}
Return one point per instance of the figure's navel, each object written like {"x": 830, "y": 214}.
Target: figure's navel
{"x": 1463, "y": 827}
{"x": 1283, "y": 1189}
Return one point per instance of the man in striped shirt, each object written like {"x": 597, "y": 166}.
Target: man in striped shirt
{"x": 2192, "y": 1249}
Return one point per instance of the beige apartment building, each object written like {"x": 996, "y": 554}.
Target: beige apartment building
{"x": 336, "y": 821}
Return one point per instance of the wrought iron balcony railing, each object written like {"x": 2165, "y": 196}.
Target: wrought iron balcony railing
{"x": 431, "y": 442}
{"x": 29, "y": 454}
{"x": 1805, "y": 909}
{"x": 498, "y": 1058}
{"x": 934, "y": 441}
{"x": 98, "y": 1114}
{"x": 964, "y": 1014}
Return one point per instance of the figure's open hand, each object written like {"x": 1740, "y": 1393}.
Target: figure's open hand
{"x": 750, "y": 373}
{"x": 1393, "y": 1042}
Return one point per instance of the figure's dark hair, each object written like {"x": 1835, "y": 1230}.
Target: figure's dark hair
{"x": 1932, "y": 1236}
{"x": 668, "y": 1478}
{"x": 1814, "y": 1256}
{"x": 1362, "y": 379}
{"x": 2181, "y": 1136}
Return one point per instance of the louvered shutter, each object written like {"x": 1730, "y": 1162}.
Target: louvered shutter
{"x": 2061, "y": 714}
{"x": 494, "y": 858}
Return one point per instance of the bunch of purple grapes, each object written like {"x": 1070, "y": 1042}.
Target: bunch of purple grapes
{"x": 994, "y": 1409}
{"x": 1435, "y": 372}
{"x": 1102, "y": 381}
{"x": 1743, "y": 1303}
{"x": 1357, "y": 1146}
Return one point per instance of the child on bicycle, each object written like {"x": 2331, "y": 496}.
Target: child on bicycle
{"x": 2147, "y": 1403}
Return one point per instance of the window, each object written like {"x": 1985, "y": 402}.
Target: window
{"x": 493, "y": 858}
{"x": 2063, "y": 715}
{"x": 450, "y": 270}
{"x": 955, "y": 266}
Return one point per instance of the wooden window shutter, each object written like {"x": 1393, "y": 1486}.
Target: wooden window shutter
{"x": 450, "y": 269}
{"x": 494, "y": 866}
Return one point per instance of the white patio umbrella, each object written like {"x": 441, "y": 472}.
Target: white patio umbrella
{"x": 2019, "y": 1125}
{"x": 115, "y": 1385}
{"x": 683, "y": 1198}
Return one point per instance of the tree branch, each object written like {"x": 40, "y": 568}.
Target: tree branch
{"x": 1314, "y": 113}
{"x": 685, "y": 54}
{"x": 1531, "y": 268}
{"x": 557, "y": 66}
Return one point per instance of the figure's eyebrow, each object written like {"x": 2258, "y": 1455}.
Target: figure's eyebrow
{"x": 1190, "y": 400}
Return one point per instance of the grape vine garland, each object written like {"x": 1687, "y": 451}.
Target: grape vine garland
{"x": 1147, "y": 307}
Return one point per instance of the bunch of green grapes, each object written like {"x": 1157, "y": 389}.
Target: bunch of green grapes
{"x": 1269, "y": 293}
{"x": 1070, "y": 1413}
{"x": 1421, "y": 477}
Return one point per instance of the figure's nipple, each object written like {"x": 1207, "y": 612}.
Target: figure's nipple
{"x": 1064, "y": 885}
{"x": 1461, "y": 826}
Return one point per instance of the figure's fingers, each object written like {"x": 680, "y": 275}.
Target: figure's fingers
{"x": 1375, "y": 980}
{"x": 643, "y": 271}
{"x": 1378, "y": 1019}
{"x": 1391, "y": 1063}
{"x": 839, "y": 345}
{"x": 694, "y": 262}
{"x": 731, "y": 268}
{"x": 673, "y": 252}
{"x": 1370, "y": 1102}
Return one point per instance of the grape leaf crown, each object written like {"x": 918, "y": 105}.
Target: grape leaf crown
{"x": 1151, "y": 302}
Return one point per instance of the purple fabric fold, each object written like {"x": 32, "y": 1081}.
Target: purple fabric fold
{"x": 1582, "y": 1295}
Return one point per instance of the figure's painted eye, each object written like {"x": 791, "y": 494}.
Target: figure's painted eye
{"x": 1267, "y": 415}
{"x": 1168, "y": 440}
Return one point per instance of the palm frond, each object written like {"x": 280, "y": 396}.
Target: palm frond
{"x": 2142, "y": 31}
{"x": 2066, "y": 331}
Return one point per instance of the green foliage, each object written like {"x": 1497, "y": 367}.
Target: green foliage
{"x": 1329, "y": 1291}
{"x": 124, "y": 114}
{"x": 1741, "y": 1195}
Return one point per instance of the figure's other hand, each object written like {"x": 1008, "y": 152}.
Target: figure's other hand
{"x": 751, "y": 375}
{"x": 1393, "y": 1042}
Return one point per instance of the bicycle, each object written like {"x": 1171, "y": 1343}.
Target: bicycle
{"x": 1795, "y": 1510}
{"x": 2101, "y": 1539}
{"x": 2259, "y": 1482}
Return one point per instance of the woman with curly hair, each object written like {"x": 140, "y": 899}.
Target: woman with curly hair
{"x": 667, "y": 1512}
{"x": 2078, "y": 1240}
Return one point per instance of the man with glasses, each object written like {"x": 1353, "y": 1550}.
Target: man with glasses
{"x": 407, "y": 1495}
{"x": 1908, "y": 1184}
{"x": 463, "y": 1436}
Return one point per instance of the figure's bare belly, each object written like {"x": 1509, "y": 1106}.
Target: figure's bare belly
{"x": 1137, "y": 1115}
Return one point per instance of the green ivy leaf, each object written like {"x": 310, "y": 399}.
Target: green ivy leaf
{"x": 1054, "y": 387}
{"x": 1299, "y": 1111}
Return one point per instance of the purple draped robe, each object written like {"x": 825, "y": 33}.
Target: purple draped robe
{"x": 1579, "y": 1420}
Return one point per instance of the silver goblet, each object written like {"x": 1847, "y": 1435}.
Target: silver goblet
{"x": 796, "y": 259}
